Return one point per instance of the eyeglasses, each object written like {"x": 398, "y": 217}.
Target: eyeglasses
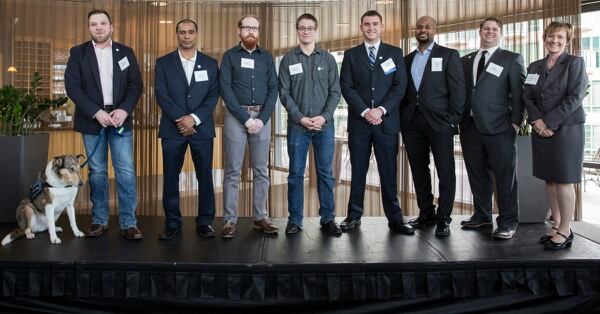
{"x": 253, "y": 29}
{"x": 306, "y": 29}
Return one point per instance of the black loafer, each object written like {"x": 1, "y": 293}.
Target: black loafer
{"x": 422, "y": 221}
{"x": 169, "y": 234}
{"x": 401, "y": 227}
{"x": 331, "y": 228}
{"x": 503, "y": 233}
{"x": 473, "y": 223}
{"x": 350, "y": 224}
{"x": 442, "y": 229}
{"x": 205, "y": 231}
{"x": 292, "y": 228}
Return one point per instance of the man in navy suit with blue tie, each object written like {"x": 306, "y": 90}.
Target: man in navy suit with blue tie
{"x": 187, "y": 90}
{"x": 103, "y": 80}
{"x": 373, "y": 81}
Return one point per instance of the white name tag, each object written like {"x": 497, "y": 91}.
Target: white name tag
{"x": 123, "y": 63}
{"x": 201, "y": 76}
{"x": 388, "y": 66}
{"x": 436, "y": 64}
{"x": 532, "y": 79}
{"x": 295, "y": 68}
{"x": 494, "y": 69}
{"x": 247, "y": 63}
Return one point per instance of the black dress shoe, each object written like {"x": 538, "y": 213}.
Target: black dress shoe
{"x": 169, "y": 233}
{"x": 442, "y": 229}
{"x": 473, "y": 223}
{"x": 553, "y": 246}
{"x": 401, "y": 227}
{"x": 292, "y": 228}
{"x": 205, "y": 231}
{"x": 545, "y": 238}
{"x": 331, "y": 228}
{"x": 423, "y": 221}
{"x": 349, "y": 224}
{"x": 503, "y": 233}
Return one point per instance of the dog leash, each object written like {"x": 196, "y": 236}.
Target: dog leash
{"x": 98, "y": 141}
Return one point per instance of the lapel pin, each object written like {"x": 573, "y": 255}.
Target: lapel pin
{"x": 198, "y": 66}
{"x": 319, "y": 68}
{"x": 469, "y": 57}
{"x": 117, "y": 49}
{"x": 380, "y": 57}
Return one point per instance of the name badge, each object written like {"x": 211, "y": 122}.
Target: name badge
{"x": 436, "y": 64}
{"x": 123, "y": 63}
{"x": 295, "y": 68}
{"x": 532, "y": 79}
{"x": 388, "y": 66}
{"x": 201, "y": 76}
{"x": 247, "y": 63}
{"x": 494, "y": 69}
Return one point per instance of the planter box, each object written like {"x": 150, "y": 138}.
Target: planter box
{"x": 21, "y": 159}
{"x": 533, "y": 206}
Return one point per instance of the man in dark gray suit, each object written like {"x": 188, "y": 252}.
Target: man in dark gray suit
{"x": 429, "y": 115}
{"x": 491, "y": 119}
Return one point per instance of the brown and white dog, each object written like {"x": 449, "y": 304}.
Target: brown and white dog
{"x": 61, "y": 178}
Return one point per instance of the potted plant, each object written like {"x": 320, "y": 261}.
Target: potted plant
{"x": 24, "y": 153}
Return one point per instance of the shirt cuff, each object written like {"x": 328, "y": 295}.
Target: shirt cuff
{"x": 94, "y": 116}
{"x": 362, "y": 114}
{"x": 383, "y": 109}
{"x": 196, "y": 119}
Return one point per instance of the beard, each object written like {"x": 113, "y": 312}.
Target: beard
{"x": 249, "y": 41}
{"x": 423, "y": 40}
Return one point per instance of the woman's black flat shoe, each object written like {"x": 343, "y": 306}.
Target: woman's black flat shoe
{"x": 546, "y": 238}
{"x": 553, "y": 246}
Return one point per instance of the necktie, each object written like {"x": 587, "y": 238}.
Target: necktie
{"x": 481, "y": 64}
{"x": 372, "y": 56}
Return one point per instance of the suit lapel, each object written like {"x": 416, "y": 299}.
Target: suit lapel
{"x": 117, "y": 54}
{"x": 91, "y": 54}
{"x": 363, "y": 56}
{"x": 427, "y": 69}
{"x": 495, "y": 57}
{"x": 558, "y": 68}
{"x": 470, "y": 60}
{"x": 409, "y": 61}
{"x": 197, "y": 67}
{"x": 179, "y": 67}
{"x": 381, "y": 52}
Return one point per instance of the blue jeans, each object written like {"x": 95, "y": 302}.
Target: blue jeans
{"x": 323, "y": 145}
{"x": 121, "y": 152}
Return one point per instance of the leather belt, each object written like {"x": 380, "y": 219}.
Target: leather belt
{"x": 255, "y": 108}
{"x": 109, "y": 108}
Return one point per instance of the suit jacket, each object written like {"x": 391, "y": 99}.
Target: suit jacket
{"x": 441, "y": 95}
{"x": 82, "y": 83}
{"x": 177, "y": 97}
{"x": 364, "y": 88}
{"x": 557, "y": 99}
{"x": 495, "y": 100}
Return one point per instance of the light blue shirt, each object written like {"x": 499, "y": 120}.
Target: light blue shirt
{"x": 418, "y": 65}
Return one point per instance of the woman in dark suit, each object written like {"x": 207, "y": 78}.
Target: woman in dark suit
{"x": 554, "y": 89}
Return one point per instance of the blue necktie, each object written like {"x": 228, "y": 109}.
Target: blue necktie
{"x": 372, "y": 56}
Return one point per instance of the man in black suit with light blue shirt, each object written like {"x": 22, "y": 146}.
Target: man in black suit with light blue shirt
{"x": 373, "y": 81}
{"x": 488, "y": 130}
{"x": 187, "y": 90}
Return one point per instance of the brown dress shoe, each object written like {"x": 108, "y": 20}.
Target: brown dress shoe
{"x": 132, "y": 233}
{"x": 265, "y": 225}
{"x": 95, "y": 230}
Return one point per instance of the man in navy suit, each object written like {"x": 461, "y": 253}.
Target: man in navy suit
{"x": 430, "y": 114}
{"x": 187, "y": 90}
{"x": 103, "y": 80}
{"x": 488, "y": 130}
{"x": 373, "y": 81}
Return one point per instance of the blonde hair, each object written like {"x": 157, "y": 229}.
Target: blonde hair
{"x": 558, "y": 26}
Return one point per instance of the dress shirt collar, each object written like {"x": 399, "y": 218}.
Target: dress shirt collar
{"x": 183, "y": 59}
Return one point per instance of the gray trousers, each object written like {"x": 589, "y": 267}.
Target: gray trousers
{"x": 235, "y": 137}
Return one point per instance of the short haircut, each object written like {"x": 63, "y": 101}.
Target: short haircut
{"x": 371, "y": 13}
{"x": 307, "y": 16}
{"x": 558, "y": 26}
{"x": 241, "y": 20}
{"x": 185, "y": 21}
{"x": 99, "y": 11}
{"x": 493, "y": 19}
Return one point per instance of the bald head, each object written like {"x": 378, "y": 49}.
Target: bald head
{"x": 425, "y": 31}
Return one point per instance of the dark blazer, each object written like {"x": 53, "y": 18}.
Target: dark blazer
{"x": 495, "y": 101}
{"x": 360, "y": 85}
{"x": 82, "y": 82}
{"x": 441, "y": 95}
{"x": 177, "y": 97}
{"x": 557, "y": 99}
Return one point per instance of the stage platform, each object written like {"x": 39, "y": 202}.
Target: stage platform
{"x": 368, "y": 270}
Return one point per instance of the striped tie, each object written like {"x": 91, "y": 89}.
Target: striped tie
{"x": 372, "y": 56}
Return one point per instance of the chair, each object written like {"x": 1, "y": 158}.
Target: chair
{"x": 591, "y": 168}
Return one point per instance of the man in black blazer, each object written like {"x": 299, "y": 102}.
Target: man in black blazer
{"x": 373, "y": 81}
{"x": 488, "y": 130}
{"x": 430, "y": 113}
{"x": 187, "y": 90}
{"x": 104, "y": 81}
